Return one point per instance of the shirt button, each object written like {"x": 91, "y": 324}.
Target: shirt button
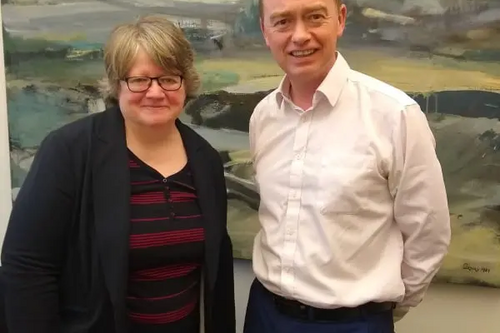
{"x": 165, "y": 180}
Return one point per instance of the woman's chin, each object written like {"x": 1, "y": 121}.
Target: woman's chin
{"x": 158, "y": 120}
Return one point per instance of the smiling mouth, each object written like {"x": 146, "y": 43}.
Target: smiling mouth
{"x": 303, "y": 53}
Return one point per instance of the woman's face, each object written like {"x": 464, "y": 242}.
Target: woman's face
{"x": 144, "y": 101}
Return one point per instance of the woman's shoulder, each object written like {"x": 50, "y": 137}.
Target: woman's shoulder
{"x": 71, "y": 140}
{"x": 78, "y": 130}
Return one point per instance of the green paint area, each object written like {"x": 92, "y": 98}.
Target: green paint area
{"x": 32, "y": 45}
{"x": 215, "y": 80}
{"x": 75, "y": 61}
{"x": 64, "y": 62}
{"x": 65, "y": 73}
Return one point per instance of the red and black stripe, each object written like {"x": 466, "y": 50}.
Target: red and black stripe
{"x": 166, "y": 251}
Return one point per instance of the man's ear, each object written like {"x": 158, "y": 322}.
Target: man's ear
{"x": 263, "y": 30}
{"x": 342, "y": 17}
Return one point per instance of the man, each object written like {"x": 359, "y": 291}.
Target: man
{"x": 354, "y": 212}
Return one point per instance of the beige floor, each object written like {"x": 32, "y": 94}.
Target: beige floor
{"x": 455, "y": 309}
{"x": 446, "y": 308}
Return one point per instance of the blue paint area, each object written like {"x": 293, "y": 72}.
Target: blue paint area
{"x": 32, "y": 115}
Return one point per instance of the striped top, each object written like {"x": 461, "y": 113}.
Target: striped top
{"x": 166, "y": 251}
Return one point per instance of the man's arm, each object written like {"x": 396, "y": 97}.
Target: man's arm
{"x": 252, "y": 138}
{"x": 420, "y": 207}
{"x": 252, "y": 131}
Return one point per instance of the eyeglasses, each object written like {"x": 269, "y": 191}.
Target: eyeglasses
{"x": 142, "y": 83}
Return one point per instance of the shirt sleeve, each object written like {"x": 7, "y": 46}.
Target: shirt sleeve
{"x": 421, "y": 206}
{"x": 251, "y": 132}
{"x": 252, "y": 137}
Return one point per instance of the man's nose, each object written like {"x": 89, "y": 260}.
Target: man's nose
{"x": 300, "y": 33}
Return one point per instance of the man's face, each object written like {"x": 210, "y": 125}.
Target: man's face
{"x": 302, "y": 35}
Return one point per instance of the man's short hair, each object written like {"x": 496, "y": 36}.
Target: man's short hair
{"x": 261, "y": 6}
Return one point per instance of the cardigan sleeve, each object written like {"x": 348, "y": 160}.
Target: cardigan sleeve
{"x": 34, "y": 244}
{"x": 224, "y": 298}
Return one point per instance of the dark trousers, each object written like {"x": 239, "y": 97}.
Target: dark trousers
{"x": 262, "y": 316}
{"x": 3, "y": 322}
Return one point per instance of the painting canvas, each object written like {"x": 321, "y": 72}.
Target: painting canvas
{"x": 444, "y": 53}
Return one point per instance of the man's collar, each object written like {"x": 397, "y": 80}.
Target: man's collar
{"x": 331, "y": 86}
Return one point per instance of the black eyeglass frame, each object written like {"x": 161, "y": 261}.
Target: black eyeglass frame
{"x": 151, "y": 79}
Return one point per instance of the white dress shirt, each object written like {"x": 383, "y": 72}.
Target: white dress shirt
{"x": 353, "y": 203}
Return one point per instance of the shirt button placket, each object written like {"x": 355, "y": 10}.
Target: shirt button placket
{"x": 293, "y": 205}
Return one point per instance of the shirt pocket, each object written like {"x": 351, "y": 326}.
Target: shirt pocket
{"x": 344, "y": 181}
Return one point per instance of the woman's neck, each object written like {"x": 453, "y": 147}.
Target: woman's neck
{"x": 151, "y": 138}
{"x": 161, "y": 147}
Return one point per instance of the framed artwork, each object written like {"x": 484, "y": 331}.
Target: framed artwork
{"x": 444, "y": 53}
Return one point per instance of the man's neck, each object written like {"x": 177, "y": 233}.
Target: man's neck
{"x": 302, "y": 94}
{"x": 302, "y": 91}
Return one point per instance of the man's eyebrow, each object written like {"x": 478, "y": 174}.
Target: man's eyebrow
{"x": 316, "y": 8}
{"x": 279, "y": 14}
{"x": 307, "y": 9}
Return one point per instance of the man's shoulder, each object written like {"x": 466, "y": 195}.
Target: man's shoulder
{"x": 269, "y": 102}
{"x": 381, "y": 90}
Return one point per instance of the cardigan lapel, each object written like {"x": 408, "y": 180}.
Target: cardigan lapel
{"x": 203, "y": 174}
{"x": 111, "y": 191}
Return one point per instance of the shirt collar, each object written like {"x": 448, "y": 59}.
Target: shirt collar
{"x": 331, "y": 87}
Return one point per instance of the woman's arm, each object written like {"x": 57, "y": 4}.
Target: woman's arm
{"x": 34, "y": 245}
{"x": 224, "y": 286}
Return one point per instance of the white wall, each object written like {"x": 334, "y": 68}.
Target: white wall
{"x": 5, "y": 183}
{"x": 446, "y": 308}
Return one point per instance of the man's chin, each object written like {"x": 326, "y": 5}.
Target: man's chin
{"x": 303, "y": 73}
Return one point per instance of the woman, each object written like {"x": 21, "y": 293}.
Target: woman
{"x": 120, "y": 225}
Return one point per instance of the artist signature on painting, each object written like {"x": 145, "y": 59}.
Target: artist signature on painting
{"x": 475, "y": 269}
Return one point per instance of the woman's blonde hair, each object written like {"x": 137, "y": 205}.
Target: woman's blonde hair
{"x": 161, "y": 39}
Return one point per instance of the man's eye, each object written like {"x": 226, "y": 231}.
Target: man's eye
{"x": 316, "y": 17}
{"x": 281, "y": 22}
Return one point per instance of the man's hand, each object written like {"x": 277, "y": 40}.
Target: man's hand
{"x": 399, "y": 312}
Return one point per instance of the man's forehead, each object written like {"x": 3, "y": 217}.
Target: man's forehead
{"x": 296, "y": 4}
{"x": 284, "y": 6}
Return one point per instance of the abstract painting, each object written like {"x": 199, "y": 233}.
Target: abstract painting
{"x": 444, "y": 53}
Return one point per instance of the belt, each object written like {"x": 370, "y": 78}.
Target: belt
{"x": 298, "y": 310}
